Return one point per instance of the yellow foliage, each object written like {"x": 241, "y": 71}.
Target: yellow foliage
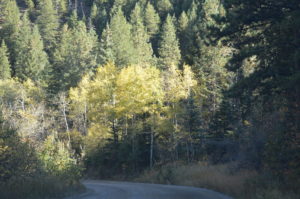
{"x": 79, "y": 95}
{"x": 115, "y": 93}
{"x": 178, "y": 84}
{"x": 97, "y": 134}
{"x": 101, "y": 93}
{"x": 138, "y": 90}
{"x": 34, "y": 94}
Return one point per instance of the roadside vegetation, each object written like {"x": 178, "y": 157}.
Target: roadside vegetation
{"x": 116, "y": 88}
{"x": 34, "y": 172}
{"x": 223, "y": 178}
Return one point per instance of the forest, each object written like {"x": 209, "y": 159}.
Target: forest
{"x": 111, "y": 89}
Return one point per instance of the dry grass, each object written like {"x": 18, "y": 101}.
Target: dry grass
{"x": 218, "y": 178}
{"x": 222, "y": 178}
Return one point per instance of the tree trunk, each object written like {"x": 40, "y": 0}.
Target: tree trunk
{"x": 152, "y": 142}
{"x": 85, "y": 119}
{"x": 115, "y": 133}
{"x": 151, "y": 149}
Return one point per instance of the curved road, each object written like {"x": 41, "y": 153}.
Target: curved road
{"x": 127, "y": 190}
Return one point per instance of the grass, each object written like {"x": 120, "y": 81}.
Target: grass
{"x": 38, "y": 188}
{"x": 226, "y": 178}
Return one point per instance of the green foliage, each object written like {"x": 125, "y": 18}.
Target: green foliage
{"x": 56, "y": 160}
{"x": 152, "y": 20}
{"x": 169, "y": 52}
{"x": 31, "y": 59}
{"x": 183, "y": 22}
{"x": 30, "y": 4}
{"x": 21, "y": 169}
{"x": 9, "y": 25}
{"x": 48, "y": 23}
{"x": 75, "y": 56}
{"x": 123, "y": 46}
{"x": 164, "y": 7}
{"x": 236, "y": 101}
{"x": 106, "y": 53}
{"x": 18, "y": 159}
{"x": 141, "y": 40}
{"x": 61, "y": 6}
{"x": 5, "y": 70}
{"x": 10, "y": 17}
{"x": 268, "y": 39}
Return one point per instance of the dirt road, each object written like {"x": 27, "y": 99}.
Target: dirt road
{"x": 126, "y": 190}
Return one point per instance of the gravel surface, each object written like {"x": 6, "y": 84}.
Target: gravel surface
{"x": 128, "y": 190}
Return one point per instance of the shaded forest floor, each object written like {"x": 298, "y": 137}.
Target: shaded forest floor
{"x": 39, "y": 187}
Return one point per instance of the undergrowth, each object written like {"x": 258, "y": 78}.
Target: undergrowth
{"x": 225, "y": 178}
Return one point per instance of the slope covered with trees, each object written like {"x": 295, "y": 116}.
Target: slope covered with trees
{"x": 120, "y": 86}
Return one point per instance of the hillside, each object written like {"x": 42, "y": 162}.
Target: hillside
{"x": 130, "y": 89}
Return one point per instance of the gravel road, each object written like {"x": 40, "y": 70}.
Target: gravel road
{"x": 127, "y": 190}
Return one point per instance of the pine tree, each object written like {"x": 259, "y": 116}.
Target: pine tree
{"x": 274, "y": 83}
{"x": 164, "y": 7}
{"x": 106, "y": 53}
{"x": 193, "y": 12}
{"x": 142, "y": 3}
{"x": 152, "y": 20}
{"x": 183, "y": 23}
{"x": 141, "y": 41}
{"x": 121, "y": 35}
{"x": 48, "y": 23}
{"x": 169, "y": 52}
{"x": 9, "y": 26}
{"x": 29, "y": 4}
{"x": 99, "y": 17}
{"x": 211, "y": 60}
{"x": 94, "y": 11}
{"x": 118, "y": 4}
{"x": 186, "y": 37}
{"x": 9, "y": 23}
{"x": 75, "y": 56}
{"x": 73, "y": 20}
{"x": 4, "y": 62}
{"x": 187, "y": 32}
{"x": 31, "y": 59}
{"x": 60, "y": 6}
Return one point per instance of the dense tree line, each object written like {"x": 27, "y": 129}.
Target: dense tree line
{"x": 124, "y": 85}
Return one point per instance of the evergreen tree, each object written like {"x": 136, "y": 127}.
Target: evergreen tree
{"x": 106, "y": 53}
{"x": 210, "y": 61}
{"x": 30, "y": 4}
{"x": 4, "y": 62}
{"x": 60, "y": 6}
{"x": 141, "y": 39}
{"x": 9, "y": 25}
{"x": 193, "y": 12}
{"x": 73, "y": 20}
{"x": 75, "y": 56}
{"x": 10, "y": 18}
{"x": 31, "y": 59}
{"x": 99, "y": 17}
{"x": 48, "y": 23}
{"x": 270, "y": 36}
{"x": 117, "y": 5}
{"x": 169, "y": 52}
{"x": 94, "y": 11}
{"x": 183, "y": 23}
{"x": 187, "y": 29}
{"x": 142, "y": 3}
{"x": 164, "y": 7}
{"x": 121, "y": 35}
{"x": 184, "y": 36}
{"x": 152, "y": 20}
